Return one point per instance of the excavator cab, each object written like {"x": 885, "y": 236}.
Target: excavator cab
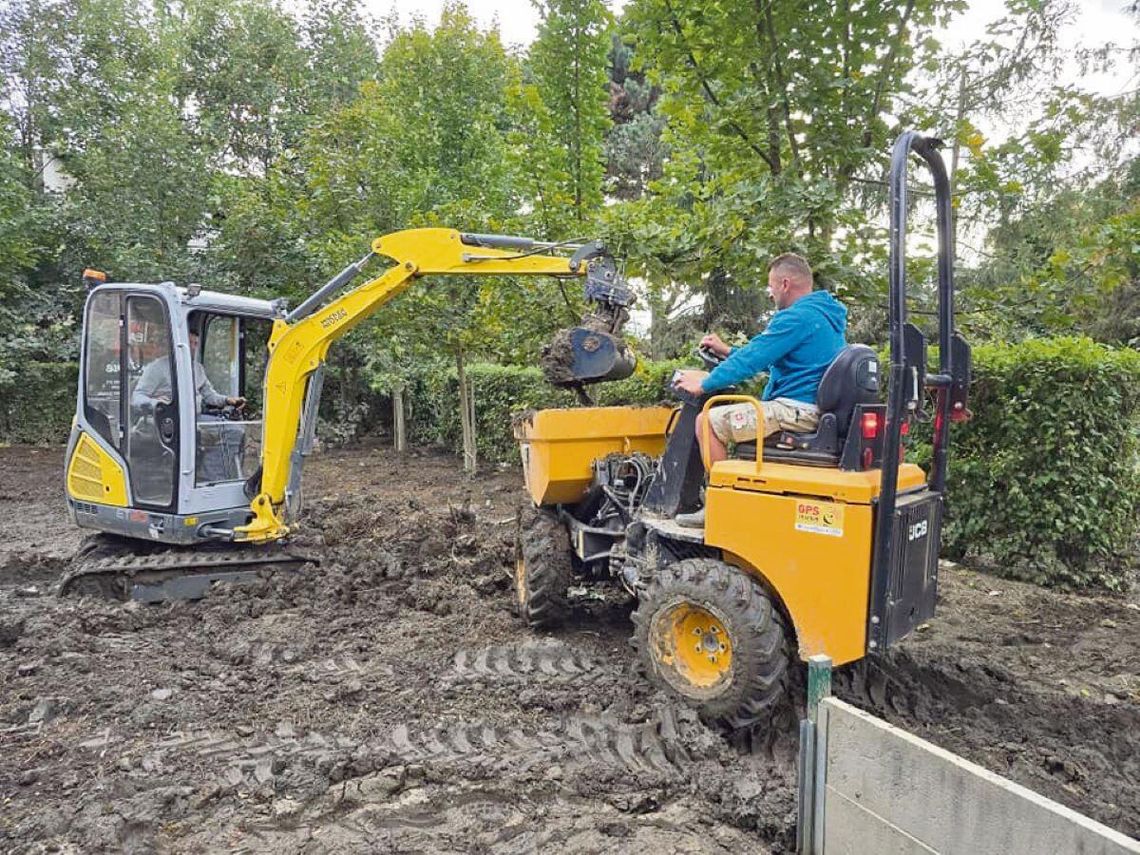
{"x": 151, "y": 456}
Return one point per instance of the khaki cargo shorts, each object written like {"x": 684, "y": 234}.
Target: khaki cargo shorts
{"x": 737, "y": 422}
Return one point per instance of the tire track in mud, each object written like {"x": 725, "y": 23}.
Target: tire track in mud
{"x": 662, "y": 747}
{"x": 531, "y": 661}
{"x": 291, "y": 659}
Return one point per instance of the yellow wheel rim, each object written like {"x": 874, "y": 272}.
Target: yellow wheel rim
{"x": 694, "y": 649}
{"x": 520, "y": 580}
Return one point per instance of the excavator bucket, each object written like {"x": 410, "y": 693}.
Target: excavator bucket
{"x": 583, "y": 355}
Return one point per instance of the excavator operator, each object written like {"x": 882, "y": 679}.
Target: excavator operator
{"x": 214, "y": 444}
{"x": 802, "y": 339}
{"x": 154, "y": 383}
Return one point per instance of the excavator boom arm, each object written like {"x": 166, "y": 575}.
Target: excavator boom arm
{"x": 297, "y": 349}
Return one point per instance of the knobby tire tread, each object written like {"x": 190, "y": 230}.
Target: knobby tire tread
{"x": 760, "y": 667}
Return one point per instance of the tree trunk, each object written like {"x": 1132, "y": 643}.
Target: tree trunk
{"x": 399, "y": 428}
{"x": 466, "y": 415}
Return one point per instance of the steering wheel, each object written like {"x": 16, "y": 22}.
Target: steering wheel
{"x": 709, "y": 357}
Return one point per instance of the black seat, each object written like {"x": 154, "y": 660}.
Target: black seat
{"x": 851, "y": 379}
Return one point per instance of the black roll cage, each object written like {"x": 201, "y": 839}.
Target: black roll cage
{"x": 907, "y": 374}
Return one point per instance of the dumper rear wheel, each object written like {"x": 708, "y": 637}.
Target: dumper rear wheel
{"x": 707, "y": 631}
{"x": 543, "y": 568}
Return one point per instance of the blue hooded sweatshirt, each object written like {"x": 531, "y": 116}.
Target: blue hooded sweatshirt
{"x": 795, "y": 350}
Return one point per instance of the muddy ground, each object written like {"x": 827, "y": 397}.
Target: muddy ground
{"x": 390, "y": 701}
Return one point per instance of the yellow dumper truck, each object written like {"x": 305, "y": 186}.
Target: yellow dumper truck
{"x": 821, "y": 543}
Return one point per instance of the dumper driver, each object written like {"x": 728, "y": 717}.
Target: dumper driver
{"x": 803, "y": 337}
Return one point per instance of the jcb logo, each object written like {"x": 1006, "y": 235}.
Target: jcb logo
{"x": 917, "y": 530}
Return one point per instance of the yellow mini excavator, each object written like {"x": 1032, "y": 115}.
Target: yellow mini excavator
{"x": 168, "y": 460}
{"x": 820, "y": 543}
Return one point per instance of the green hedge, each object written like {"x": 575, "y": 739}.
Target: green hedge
{"x": 1044, "y": 481}
{"x": 38, "y": 403}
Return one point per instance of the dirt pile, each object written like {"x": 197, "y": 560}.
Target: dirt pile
{"x": 389, "y": 700}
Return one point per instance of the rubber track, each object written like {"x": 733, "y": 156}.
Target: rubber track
{"x": 125, "y": 560}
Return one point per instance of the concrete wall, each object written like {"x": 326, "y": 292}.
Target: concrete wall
{"x": 891, "y": 793}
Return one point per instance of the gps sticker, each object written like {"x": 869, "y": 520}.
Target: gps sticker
{"x": 820, "y": 518}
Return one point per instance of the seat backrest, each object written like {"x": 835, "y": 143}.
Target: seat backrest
{"x": 851, "y": 378}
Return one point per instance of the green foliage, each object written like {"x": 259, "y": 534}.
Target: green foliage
{"x": 502, "y": 392}
{"x": 1071, "y": 264}
{"x": 769, "y": 144}
{"x": 1045, "y": 479}
{"x": 569, "y": 92}
{"x": 39, "y": 401}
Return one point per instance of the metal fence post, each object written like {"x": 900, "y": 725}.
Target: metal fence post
{"x": 813, "y": 760}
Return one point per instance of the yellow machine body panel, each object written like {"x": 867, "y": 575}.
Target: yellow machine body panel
{"x": 559, "y": 447}
{"x": 826, "y": 482}
{"x": 806, "y": 532}
{"x": 94, "y": 476}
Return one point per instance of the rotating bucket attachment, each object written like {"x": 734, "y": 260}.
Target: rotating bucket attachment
{"x": 594, "y": 351}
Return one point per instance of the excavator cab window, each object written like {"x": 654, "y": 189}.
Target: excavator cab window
{"x": 152, "y": 402}
{"x": 103, "y": 368}
{"x": 227, "y": 438}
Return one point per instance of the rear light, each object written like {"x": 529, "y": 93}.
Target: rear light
{"x": 905, "y": 429}
{"x": 870, "y": 425}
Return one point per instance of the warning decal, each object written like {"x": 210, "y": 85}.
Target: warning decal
{"x": 820, "y": 518}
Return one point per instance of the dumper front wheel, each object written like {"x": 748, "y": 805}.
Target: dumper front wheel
{"x": 543, "y": 568}
{"x": 707, "y": 631}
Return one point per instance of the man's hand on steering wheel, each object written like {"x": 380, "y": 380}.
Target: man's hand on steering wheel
{"x": 713, "y": 342}
{"x": 236, "y": 403}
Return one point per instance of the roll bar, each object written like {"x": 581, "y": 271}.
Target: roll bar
{"x": 907, "y": 372}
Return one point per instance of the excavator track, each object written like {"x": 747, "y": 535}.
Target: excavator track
{"x": 121, "y": 568}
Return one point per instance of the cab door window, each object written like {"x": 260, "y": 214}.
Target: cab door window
{"x": 102, "y": 365}
{"x": 220, "y": 350}
{"x": 152, "y": 434}
{"x": 227, "y": 438}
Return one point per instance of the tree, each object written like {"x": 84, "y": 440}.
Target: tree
{"x": 422, "y": 146}
{"x": 567, "y": 88}
{"x": 779, "y": 117}
{"x": 635, "y": 153}
{"x": 1049, "y": 212}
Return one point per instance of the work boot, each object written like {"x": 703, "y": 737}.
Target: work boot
{"x": 694, "y": 520}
